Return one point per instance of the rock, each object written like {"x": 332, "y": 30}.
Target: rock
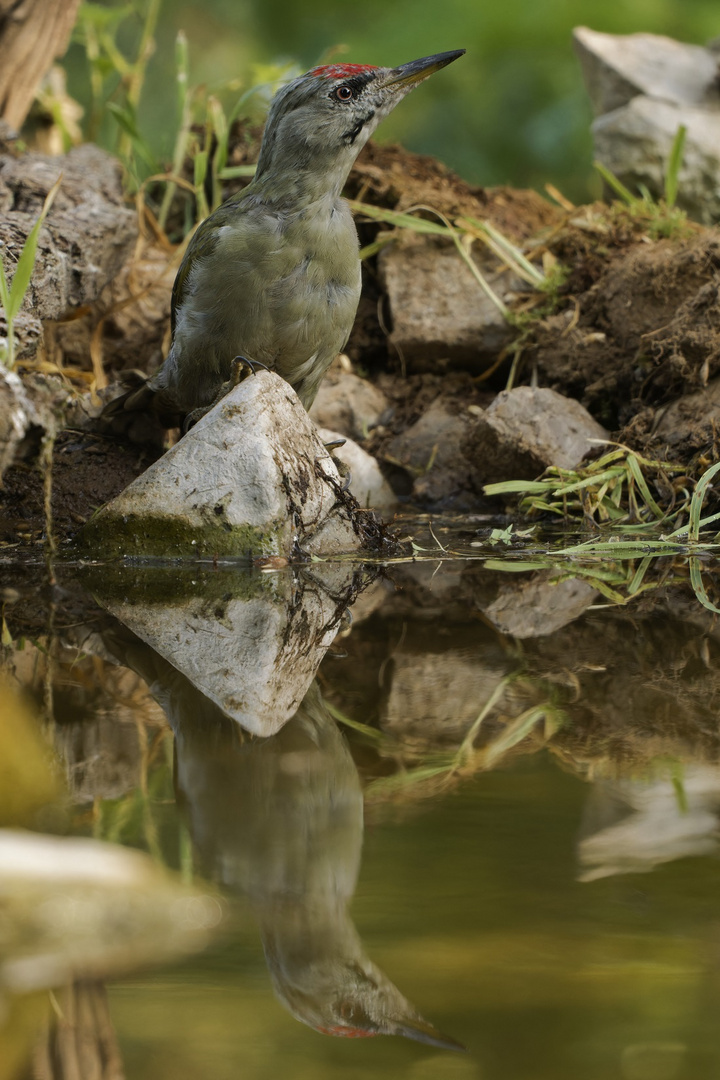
{"x": 431, "y": 450}
{"x": 634, "y": 143}
{"x": 643, "y": 87}
{"x": 693, "y": 418}
{"x": 527, "y": 429}
{"x": 349, "y": 405}
{"x": 617, "y": 68}
{"x": 438, "y": 311}
{"x": 30, "y": 410}
{"x": 135, "y": 310}
{"x": 81, "y": 909}
{"x": 250, "y": 479}
{"x": 86, "y": 239}
{"x": 17, "y": 416}
{"x": 367, "y": 484}
{"x": 538, "y": 605}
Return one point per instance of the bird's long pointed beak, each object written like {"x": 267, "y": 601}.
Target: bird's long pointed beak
{"x": 408, "y": 75}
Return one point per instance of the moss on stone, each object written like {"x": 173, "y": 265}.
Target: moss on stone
{"x": 112, "y": 536}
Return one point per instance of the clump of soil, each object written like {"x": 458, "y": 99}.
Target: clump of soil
{"x": 644, "y": 326}
{"x": 86, "y": 473}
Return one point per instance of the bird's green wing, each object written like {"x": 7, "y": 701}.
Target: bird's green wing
{"x": 202, "y": 244}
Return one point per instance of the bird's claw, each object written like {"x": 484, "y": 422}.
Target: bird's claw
{"x": 240, "y": 362}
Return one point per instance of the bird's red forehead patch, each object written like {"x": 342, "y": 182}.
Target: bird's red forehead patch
{"x": 341, "y": 71}
{"x": 347, "y": 1032}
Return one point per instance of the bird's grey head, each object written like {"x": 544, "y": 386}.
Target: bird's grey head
{"x": 320, "y": 121}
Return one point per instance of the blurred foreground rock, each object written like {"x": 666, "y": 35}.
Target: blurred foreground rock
{"x": 250, "y": 480}
{"x": 74, "y": 906}
{"x": 642, "y": 88}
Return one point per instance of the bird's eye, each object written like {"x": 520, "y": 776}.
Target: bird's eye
{"x": 344, "y": 93}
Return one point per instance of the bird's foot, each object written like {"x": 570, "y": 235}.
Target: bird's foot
{"x": 192, "y": 417}
{"x": 344, "y": 470}
{"x": 240, "y": 367}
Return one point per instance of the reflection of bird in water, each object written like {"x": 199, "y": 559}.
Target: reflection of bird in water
{"x": 282, "y": 820}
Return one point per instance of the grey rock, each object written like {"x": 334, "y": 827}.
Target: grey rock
{"x": 539, "y": 605}
{"x": 86, "y": 239}
{"x": 617, "y": 68}
{"x": 250, "y": 479}
{"x": 634, "y": 143}
{"x": 17, "y": 416}
{"x": 527, "y": 429}
{"x": 438, "y": 311}
{"x": 348, "y": 404}
{"x": 431, "y": 450}
{"x": 367, "y": 484}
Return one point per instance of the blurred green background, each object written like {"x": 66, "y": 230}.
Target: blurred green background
{"x": 513, "y": 110}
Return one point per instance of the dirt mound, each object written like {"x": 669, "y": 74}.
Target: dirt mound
{"x": 644, "y": 330}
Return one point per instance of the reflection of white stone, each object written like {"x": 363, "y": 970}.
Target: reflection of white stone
{"x": 255, "y": 658}
{"x": 632, "y": 826}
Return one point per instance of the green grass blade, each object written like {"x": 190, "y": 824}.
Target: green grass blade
{"x": 634, "y": 467}
{"x": 512, "y": 487}
{"x": 696, "y": 503}
{"x": 639, "y": 574}
{"x": 699, "y": 586}
{"x": 674, "y": 165}
{"x": 230, "y": 172}
{"x": 508, "y": 252}
{"x": 26, "y": 262}
{"x": 400, "y": 221}
{"x": 617, "y": 186}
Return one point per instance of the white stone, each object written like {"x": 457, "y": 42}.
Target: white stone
{"x": 618, "y": 67}
{"x": 250, "y": 479}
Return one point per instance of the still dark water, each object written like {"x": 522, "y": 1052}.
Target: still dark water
{"x": 512, "y": 845}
